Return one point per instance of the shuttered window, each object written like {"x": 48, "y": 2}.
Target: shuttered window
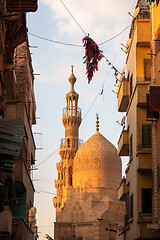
{"x": 131, "y": 84}
{"x": 131, "y": 146}
{"x": 131, "y": 206}
{"x": 147, "y": 135}
{"x": 158, "y": 40}
{"x": 146, "y": 200}
{"x": 147, "y": 69}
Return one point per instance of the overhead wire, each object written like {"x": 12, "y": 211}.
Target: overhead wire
{"x": 117, "y": 35}
{"x": 73, "y": 18}
{"x": 47, "y": 157}
{"x": 54, "y": 41}
{"x": 77, "y": 45}
{"x": 108, "y": 71}
{"x": 80, "y": 46}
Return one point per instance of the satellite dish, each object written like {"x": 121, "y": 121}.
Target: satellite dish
{"x": 136, "y": 12}
{"x": 123, "y": 120}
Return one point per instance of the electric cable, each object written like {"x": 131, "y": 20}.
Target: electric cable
{"x": 115, "y": 35}
{"x": 73, "y": 17}
{"x": 108, "y": 71}
{"x": 54, "y": 41}
{"x": 47, "y": 157}
{"x": 77, "y": 45}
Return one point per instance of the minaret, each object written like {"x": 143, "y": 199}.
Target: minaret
{"x": 69, "y": 145}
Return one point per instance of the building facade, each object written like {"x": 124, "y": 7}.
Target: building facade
{"x": 87, "y": 205}
{"x": 153, "y": 109}
{"x": 136, "y": 138}
{"x": 17, "y": 115}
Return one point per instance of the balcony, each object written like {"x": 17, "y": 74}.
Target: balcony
{"x": 142, "y": 89}
{"x": 123, "y": 190}
{"x": 123, "y": 143}
{"x": 22, "y": 176}
{"x": 123, "y": 95}
{"x": 144, "y": 162}
{"x": 72, "y": 112}
{"x": 74, "y": 143}
{"x": 22, "y": 230}
{"x": 153, "y": 102}
{"x": 6, "y": 221}
{"x": 21, "y": 5}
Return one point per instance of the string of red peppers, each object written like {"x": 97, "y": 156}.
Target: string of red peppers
{"x": 92, "y": 56}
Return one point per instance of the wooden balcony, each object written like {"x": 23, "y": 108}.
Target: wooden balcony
{"x": 142, "y": 89}
{"x": 123, "y": 95}
{"x": 6, "y": 221}
{"x": 22, "y": 230}
{"x": 123, "y": 143}
{"x": 123, "y": 190}
{"x": 144, "y": 162}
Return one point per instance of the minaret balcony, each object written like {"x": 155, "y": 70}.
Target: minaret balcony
{"x": 73, "y": 144}
{"x": 72, "y": 112}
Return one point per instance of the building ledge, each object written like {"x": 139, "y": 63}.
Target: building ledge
{"x": 154, "y": 226}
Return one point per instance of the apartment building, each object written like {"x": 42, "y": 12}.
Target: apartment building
{"x": 17, "y": 115}
{"x": 136, "y": 138}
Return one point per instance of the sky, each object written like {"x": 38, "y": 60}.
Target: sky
{"x": 52, "y": 62}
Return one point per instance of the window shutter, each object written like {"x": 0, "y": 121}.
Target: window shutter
{"x": 131, "y": 146}
{"x": 147, "y": 135}
{"x": 131, "y": 206}
{"x": 147, "y": 69}
{"x": 146, "y": 200}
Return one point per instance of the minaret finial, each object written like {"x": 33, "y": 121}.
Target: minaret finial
{"x": 72, "y": 79}
{"x": 97, "y": 122}
{"x": 72, "y": 68}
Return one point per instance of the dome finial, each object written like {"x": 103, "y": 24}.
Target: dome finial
{"x": 97, "y": 122}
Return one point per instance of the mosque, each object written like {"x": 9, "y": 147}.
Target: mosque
{"x": 87, "y": 206}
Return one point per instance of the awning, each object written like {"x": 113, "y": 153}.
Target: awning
{"x": 22, "y": 5}
{"x": 11, "y": 136}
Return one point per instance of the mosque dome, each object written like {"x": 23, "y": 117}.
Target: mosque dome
{"x": 97, "y": 164}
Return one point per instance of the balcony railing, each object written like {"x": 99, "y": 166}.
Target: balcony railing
{"x": 72, "y": 143}
{"x": 123, "y": 95}
{"x": 123, "y": 190}
{"x": 144, "y": 162}
{"x": 123, "y": 143}
{"x": 72, "y": 112}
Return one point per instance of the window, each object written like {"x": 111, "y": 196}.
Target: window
{"x": 70, "y": 176}
{"x": 146, "y": 200}
{"x": 131, "y": 207}
{"x": 147, "y": 69}
{"x": 131, "y": 84}
{"x": 68, "y": 143}
{"x": 131, "y": 146}
{"x": 147, "y": 135}
{"x": 158, "y": 42}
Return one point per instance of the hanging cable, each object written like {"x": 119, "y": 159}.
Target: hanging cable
{"x": 76, "y": 45}
{"x": 73, "y": 17}
{"x": 47, "y": 157}
{"x": 54, "y": 41}
{"x": 115, "y": 35}
{"x": 107, "y": 73}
